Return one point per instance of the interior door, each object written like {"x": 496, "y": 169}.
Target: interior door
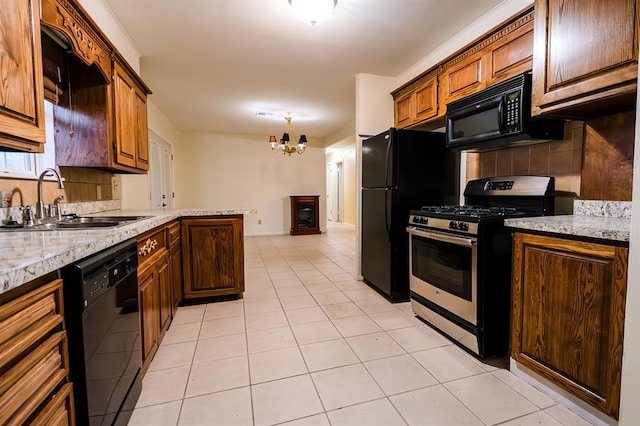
{"x": 161, "y": 172}
{"x": 155, "y": 153}
{"x": 331, "y": 193}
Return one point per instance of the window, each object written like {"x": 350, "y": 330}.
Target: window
{"x": 24, "y": 165}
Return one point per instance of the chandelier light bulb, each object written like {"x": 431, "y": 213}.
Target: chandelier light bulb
{"x": 312, "y": 12}
{"x": 284, "y": 146}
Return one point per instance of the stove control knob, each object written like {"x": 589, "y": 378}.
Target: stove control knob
{"x": 463, "y": 226}
{"x": 453, "y": 225}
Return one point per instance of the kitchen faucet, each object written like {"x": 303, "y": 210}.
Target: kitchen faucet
{"x": 40, "y": 204}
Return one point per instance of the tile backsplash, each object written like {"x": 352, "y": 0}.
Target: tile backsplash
{"x": 561, "y": 159}
{"x": 14, "y": 213}
{"x": 82, "y": 188}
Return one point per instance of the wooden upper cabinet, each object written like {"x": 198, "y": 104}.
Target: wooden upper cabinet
{"x": 426, "y": 99}
{"x": 21, "y": 87}
{"x": 464, "y": 77}
{"x": 568, "y": 300}
{"x": 130, "y": 119}
{"x": 417, "y": 103}
{"x": 512, "y": 55}
{"x": 500, "y": 54}
{"x": 101, "y": 119}
{"x": 79, "y": 30}
{"x": 585, "y": 57}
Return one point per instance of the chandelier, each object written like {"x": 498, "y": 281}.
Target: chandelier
{"x": 313, "y": 12}
{"x": 284, "y": 146}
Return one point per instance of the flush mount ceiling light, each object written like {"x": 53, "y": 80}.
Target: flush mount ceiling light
{"x": 284, "y": 146}
{"x": 313, "y": 12}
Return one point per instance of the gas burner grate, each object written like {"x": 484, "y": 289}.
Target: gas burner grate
{"x": 471, "y": 210}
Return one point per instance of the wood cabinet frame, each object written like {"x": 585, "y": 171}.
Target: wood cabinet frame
{"x": 500, "y": 54}
{"x": 213, "y": 256}
{"x": 568, "y": 305}
{"x": 605, "y": 78}
{"x": 21, "y": 93}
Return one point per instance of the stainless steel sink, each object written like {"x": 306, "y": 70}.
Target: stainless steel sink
{"x": 78, "y": 222}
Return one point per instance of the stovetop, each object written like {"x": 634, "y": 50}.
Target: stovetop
{"x": 471, "y": 213}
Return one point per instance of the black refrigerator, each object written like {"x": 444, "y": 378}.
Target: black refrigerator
{"x": 402, "y": 170}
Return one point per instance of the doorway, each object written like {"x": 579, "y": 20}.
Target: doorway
{"x": 335, "y": 191}
{"x": 161, "y": 172}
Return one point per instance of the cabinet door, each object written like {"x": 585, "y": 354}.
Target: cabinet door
{"x": 585, "y": 51}
{"x": 164, "y": 283}
{"x": 21, "y": 83}
{"x": 426, "y": 99}
{"x": 142, "y": 131}
{"x": 149, "y": 302}
{"x": 568, "y": 319}
{"x": 513, "y": 54}
{"x": 464, "y": 77}
{"x": 213, "y": 256}
{"x": 175, "y": 260}
{"x": 124, "y": 109}
{"x": 404, "y": 110}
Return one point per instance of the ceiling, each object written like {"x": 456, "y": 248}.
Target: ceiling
{"x": 214, "y": 64}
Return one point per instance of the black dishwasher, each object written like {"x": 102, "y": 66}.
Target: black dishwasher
{"x": 103, "y": 324}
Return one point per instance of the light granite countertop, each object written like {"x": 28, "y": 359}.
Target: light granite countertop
{"x": 26, "y": 255}
{"x": 605, "y": 220}
{"x": 605, "y": 228}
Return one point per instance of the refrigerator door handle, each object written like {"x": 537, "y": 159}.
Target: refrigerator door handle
{"x": 387, "y": 225}
{"x": 387, "y": 159}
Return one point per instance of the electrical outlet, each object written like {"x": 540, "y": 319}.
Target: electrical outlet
{"x": 98, "y": 192}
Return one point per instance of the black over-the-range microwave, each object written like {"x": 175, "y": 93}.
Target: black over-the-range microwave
{"x": 498, "y": 116}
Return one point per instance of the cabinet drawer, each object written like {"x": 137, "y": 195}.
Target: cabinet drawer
{"x": 29, "y": 318}
{"x": 28, "y": 383}
{"x": 174, "y": 232}
{"x": 150, "y": 243}
{"x": 59, "y": 410}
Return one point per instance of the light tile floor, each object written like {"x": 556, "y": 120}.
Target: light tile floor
{"x": 309, "y": 345}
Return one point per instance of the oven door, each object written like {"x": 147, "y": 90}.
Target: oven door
{"x": 443, "y": 269}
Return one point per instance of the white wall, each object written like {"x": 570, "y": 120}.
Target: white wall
{"x": 492, "y": 19}
{"x": 102, "y": 16}
{"x": 629, "y": 407}
{"x": 374, "y": 104}
{"x": 240, "y": 172}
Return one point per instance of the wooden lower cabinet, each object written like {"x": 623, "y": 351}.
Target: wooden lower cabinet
{"x": 154, "y": 292}
{"x": 175, "y": 265}
{"x": 34, "y": 355}
{"x": 568, "y": 300}
{"x": 175, "y": 261}
{"x": 213, "y": 256}
{"x": 149, "y": 302}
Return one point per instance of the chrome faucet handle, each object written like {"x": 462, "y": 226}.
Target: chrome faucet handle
{"x": 55, "y": 207}
{"x": 27, "y": 216}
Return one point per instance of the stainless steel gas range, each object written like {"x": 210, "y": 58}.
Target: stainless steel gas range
{"x": 460, "y": 259}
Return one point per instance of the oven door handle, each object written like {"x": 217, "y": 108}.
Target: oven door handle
{"x": 446, "y": 238}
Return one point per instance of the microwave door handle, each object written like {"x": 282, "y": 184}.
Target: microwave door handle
{"x": 501, "y": 116}
{"x": 445, "y": 238}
